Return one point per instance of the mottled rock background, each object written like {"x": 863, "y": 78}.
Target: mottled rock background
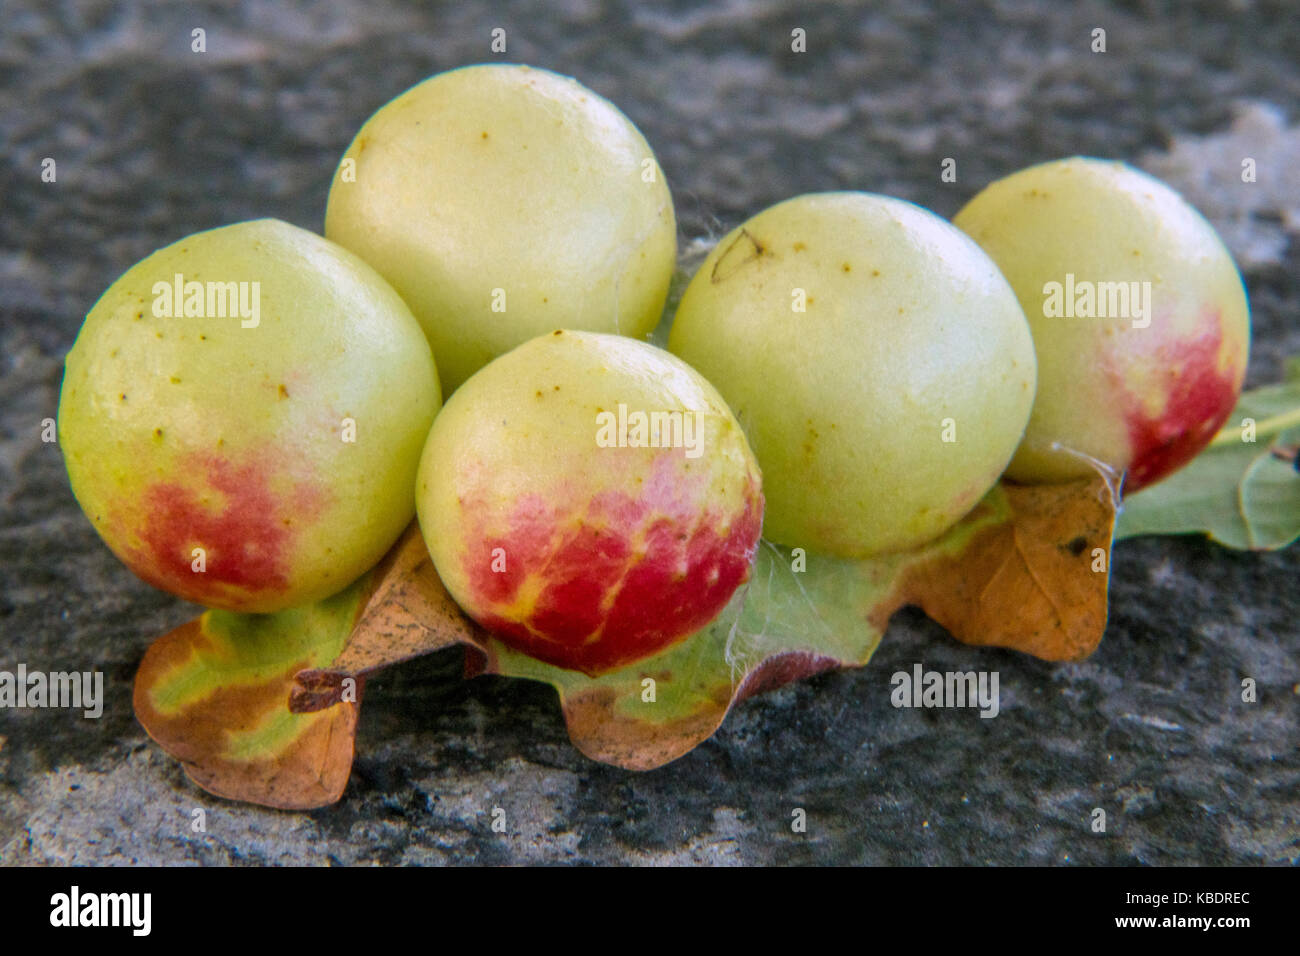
{"x": 153, "y": 141}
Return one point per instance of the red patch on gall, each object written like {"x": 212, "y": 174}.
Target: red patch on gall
{"x": 601, "y": 604}
{"x": 245, "y": 530}
{"x": 1200, "y": 399}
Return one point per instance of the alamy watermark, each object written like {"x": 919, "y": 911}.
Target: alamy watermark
{"x": 1084, "y": 299}
{"x": 660, "y": 429}
{"x": 82, "y": 691}
{"x": 179, "y": 299}
{"x": 133, "y": 911}
{"x": 922, "y": 688}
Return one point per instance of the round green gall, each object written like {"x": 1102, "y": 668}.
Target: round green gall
{"x": 242, "y": 416}
{"x": 502, "y": 201}
{"x": 590, "y": 499}
{"x": 877, "y": 359}
{"x": 1138, "y": 313}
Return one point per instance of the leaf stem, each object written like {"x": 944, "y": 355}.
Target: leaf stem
{"x": 1265, "y": 428}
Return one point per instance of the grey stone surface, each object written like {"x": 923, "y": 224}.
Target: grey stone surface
{"x": 153, "y": 142}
